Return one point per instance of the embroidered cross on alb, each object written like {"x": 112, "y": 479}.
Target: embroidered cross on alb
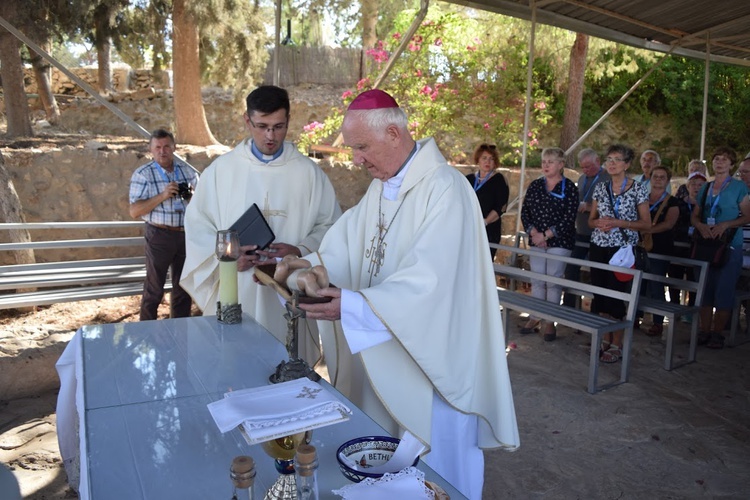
{"x": 309, "y": 392}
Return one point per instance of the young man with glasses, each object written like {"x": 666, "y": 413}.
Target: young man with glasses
{"x": 296, "y": 198}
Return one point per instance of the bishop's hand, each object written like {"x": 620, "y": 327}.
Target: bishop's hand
{"x": 330, "y": 311}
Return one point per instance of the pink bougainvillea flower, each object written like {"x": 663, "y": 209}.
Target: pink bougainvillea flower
{"x": 347, "y": 94}
{"x": 438, "y": 42}
{"x": 397, "y": 36}
{"x": 364, "y": 82}
{"x": 471, "y": 48}
{"x": 540, "y": 105}
{"x": 486, "y": 126}
{"x": 426, "y": 90}
{"x": 418, "y": 72}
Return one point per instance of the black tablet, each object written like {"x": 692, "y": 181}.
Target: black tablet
{"x": 253, "y": 228}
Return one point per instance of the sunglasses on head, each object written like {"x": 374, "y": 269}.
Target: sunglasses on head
{"x": 491, "y": 147}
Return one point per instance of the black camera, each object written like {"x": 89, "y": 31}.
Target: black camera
{"x": 185, "y": 190}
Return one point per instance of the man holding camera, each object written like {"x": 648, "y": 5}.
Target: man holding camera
{"x": 159, "y": 193}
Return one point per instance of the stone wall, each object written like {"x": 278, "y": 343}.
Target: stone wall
{"x": 83, "y": 183}
{"x": 123, "y": 79}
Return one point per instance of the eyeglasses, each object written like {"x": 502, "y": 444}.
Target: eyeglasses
{"x": 279, "y": 127}
{"x": 609, "y": 159}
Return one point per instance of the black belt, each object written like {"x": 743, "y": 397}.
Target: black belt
{"x": 168, "y": 228}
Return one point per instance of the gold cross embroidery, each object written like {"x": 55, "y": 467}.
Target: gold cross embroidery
{"x": 267, "y": 212}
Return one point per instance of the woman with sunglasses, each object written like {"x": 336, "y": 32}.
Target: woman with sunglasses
{"x": 619, "y": 211}
{"x": 491, "y": 190}
{"x": 548, "y": 215}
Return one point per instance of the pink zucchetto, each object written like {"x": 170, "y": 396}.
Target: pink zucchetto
{"x": 373, "y": 99}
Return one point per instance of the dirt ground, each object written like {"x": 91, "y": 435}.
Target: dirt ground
{"x": 663, "y": 435}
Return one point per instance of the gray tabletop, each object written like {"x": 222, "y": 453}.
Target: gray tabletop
{"x": 147, "y": 430}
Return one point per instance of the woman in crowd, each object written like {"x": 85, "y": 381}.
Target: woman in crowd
{"x": 664, "y": 210}
{"x": 619, "y": 210}
{"x": 548, "y": 217}
{"x": 693, "y": 167}
{"x": 491, "y": 189}
{"x": 722, "y": 206}
{"x": 683, "y": 232}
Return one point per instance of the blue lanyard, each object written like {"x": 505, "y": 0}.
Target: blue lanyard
{"x": 588, "y": 189}
{"x": 616, "y": 207}
{"x": 661, "y": 198}
{"x": 560, "y": 196}
{"x": 164, "y": 173}
{"x": 718, "y": 196}
{"x": 478, "y": 184}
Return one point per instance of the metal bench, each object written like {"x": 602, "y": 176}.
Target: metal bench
{"x": 675, "y": 311}
{"x": 583, "y": 321}
{"x": 45, "y": 283}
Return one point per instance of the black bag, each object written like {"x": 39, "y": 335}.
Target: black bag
{"x": 715, "y": 251}
{"x": 641, "y": 259}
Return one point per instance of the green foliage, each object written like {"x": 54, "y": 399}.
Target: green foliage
{"x": 675, "y": 90}
{"x": 461, "y": 80}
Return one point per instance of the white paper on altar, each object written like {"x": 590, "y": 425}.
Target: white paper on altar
{"x": 408, "y": 483}
{"x": 275, "y": 411}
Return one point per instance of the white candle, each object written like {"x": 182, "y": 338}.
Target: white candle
{"x": 228, "y": 282}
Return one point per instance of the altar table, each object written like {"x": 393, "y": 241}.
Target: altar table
{"x": 132, "y": 416}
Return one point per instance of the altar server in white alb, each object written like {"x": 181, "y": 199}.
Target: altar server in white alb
{"x": 294, "y": 194}
{"x": 420, "y": 344}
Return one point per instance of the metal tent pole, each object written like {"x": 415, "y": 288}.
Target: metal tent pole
{"x": 705, "y": 96}
{"x": 526, "y": 114}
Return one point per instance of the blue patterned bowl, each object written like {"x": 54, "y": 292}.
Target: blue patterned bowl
{"x": 367, "y": 451}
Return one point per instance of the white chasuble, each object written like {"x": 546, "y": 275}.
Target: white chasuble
{"x": 433, "y": 287}
{"x": 297, "y": 200}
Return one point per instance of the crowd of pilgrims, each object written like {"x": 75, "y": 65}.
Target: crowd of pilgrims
{"x": 592, "y": 214}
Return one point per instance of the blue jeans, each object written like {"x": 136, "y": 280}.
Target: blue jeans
{"x": 722, "y": 282}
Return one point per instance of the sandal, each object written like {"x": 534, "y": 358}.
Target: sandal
{"x": 654, "y": 330}
{"x": 716, "y": 341}
{"x": 611, "y": 355}
{"x": 587, "y": 347}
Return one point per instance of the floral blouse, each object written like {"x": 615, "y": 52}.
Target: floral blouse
{"x": 626, "y": 204}
{"x": 555, "y": 210}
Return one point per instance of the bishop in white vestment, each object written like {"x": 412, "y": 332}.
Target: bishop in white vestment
{"x": 420, "y": 345}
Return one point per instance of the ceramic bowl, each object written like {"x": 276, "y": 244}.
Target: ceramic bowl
{"x": 367, "y": 451}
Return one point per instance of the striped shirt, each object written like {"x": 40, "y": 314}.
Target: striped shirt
{"x": 151, "y": 179}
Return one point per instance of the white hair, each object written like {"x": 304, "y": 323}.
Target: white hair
{"x": 377, "y": 120}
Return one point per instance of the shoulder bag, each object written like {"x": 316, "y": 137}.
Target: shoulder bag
{"x": 715, "y": 251}
{"x": 647, "y": 239}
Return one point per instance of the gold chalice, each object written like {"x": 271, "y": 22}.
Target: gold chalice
{"x": 282, "y": 450}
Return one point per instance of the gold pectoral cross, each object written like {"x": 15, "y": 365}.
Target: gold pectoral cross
{"x": 267, "y": 212}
